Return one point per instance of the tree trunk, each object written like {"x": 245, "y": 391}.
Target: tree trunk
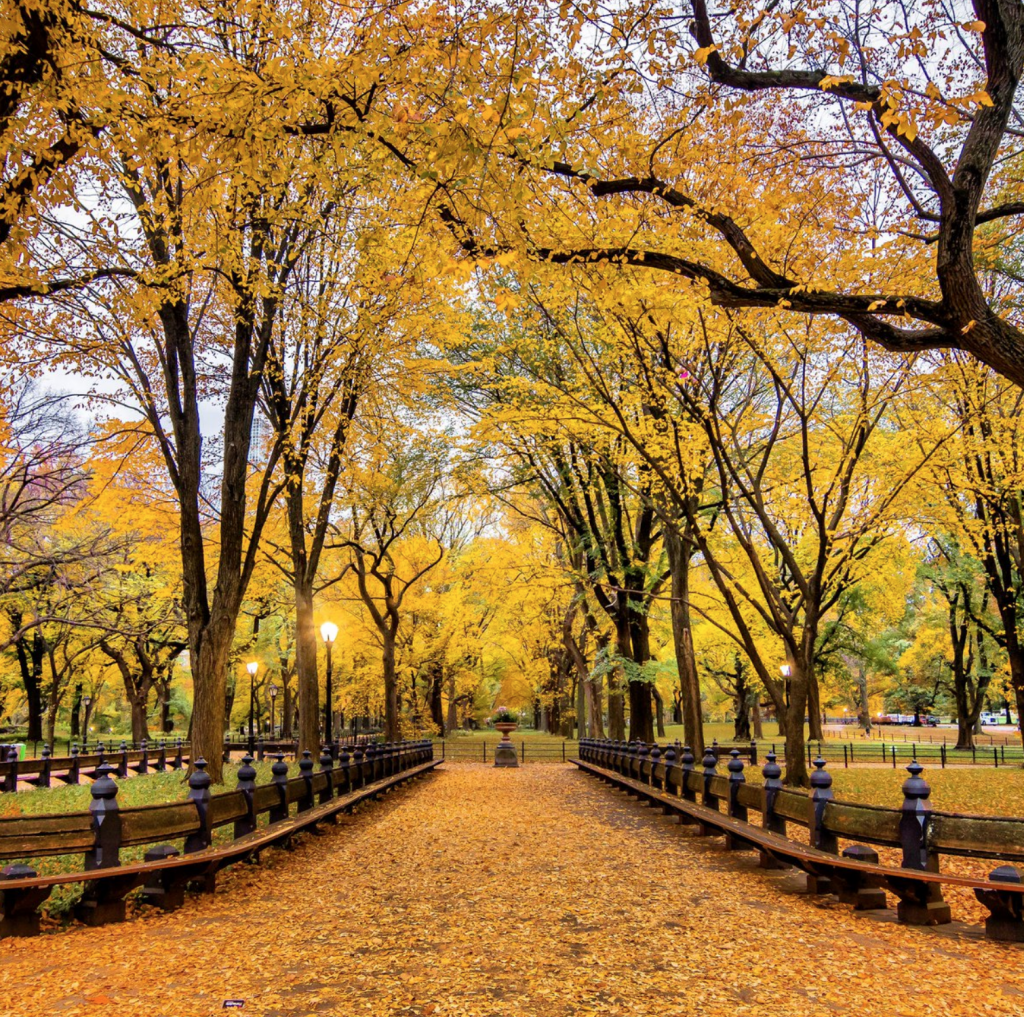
{"x": 679, "y": 558}
{"x": 287, "y": 709}
{"x": 434, "y": 690}
{"x": 140, "y": 727}
{"x": 864, "y": 708}
{"x": 76, "y": 713}
{"x": 391, "y": 724}
{"x": 659, "y": 711}
{"x": 306, "y": 669}
{"x": 641, "y": 714}
{"x": 453, "y": 710}
{"x": 166, "y": 726}
{"x": 30, "y": 662}
{"x": 755, "y": 713}
{"x": 816, "y": 732}
{"x": 595, "y": 708}
{"x": 209, "y": 678}
{"x": 616, "y": 705}
{"x": 791, "y": 726}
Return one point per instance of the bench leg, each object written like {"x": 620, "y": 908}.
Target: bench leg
{"x": 20, "y": 917}
{"x": 766, "y": 861}
{"x": 1005, "y": 922}
{"x": 920, "y": 903}
{"x": 103, "y": 901}
{"x": 819, "y": 884}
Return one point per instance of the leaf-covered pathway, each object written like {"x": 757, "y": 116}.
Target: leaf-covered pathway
{"x": 526, "y": 892}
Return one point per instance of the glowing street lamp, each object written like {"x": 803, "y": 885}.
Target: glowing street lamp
{"x": 787, "y": 672}
{"x": 329, "y": 632}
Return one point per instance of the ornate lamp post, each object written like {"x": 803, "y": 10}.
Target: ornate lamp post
{"x": 252, "y": 668}
{"x": 329, "y": 632}
{"x": 273, "y": 695}
{"x": 786, "y": 671}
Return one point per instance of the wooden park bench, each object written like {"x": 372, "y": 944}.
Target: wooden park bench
{"x": 166, "y": 871}
{"x": 699, "y": 796}
{"x": 71, "y": 769}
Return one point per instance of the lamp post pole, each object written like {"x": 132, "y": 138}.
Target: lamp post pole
{"x": 273, "y": 696}
{"x": 329, "y": 632}
{"x": 252, "y": 668}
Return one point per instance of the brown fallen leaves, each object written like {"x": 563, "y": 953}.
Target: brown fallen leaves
{"x": 534, "y": 892}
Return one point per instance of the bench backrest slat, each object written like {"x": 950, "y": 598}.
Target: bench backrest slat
{"x": 158, "y": 822}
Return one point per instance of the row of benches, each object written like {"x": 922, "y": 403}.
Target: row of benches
{"x": 71, "y": 769}
{"x": 100, "y": 834}
{"x": 922, "y": 834}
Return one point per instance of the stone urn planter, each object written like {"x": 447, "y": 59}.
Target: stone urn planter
{"x": 505, "y": 752}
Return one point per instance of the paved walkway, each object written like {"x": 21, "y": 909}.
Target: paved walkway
{"x": 516, "y": 893}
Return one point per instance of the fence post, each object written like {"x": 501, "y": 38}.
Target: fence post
{"x": 327, "y": 767}
{"x": 122, "y": 767}
{"x": 822, "y": 839}
{"x": 710, "y": 761}
{"x": 199, "y": 792}
{"x": 736, "y": 810}
{"x": 177, "y": 755}
{"x": 846, "y": 762}
{"x": 280, "y": 778}
{"x": 774, "y": 823}
{"x": 11, "y": 771}
{"x": 74, "y": 776}
{"x": 100, "y": 901}
{"x": 106, "y": 821}
{"x": 924, "y": 905}
{"x": 344, "y": 761}
{"x": 306, "y": 773}
{"x": 246, "y": 784}
{"x": 143, "y": 766}
{"x": 894, "y": 757}
{"x": 44, "y": 769}
{"x": 687, "y": 765}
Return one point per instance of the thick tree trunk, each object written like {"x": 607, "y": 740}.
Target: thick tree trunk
{"x": 864, "y": 708}
{"x": 166, "y": 726}
{"x": 306, "y": 669}
{"x": 287, "y": 709}
{"x": 595, "y": 708}
{"x": 30, "y": 662}
{"x": 816, "y": 732}
{"x": 659, "y": 711}
{"x": 755, "y": 713}
{"x": 453, "y": 709}
{"x": 434, "y": 698}
{"x": 209, "y": 678}
{"x": 76, "y": 713}
{"x": 641, "y": 714}
{"x": 616, "y": 705}
{"x": 679, "y": 558}
{"x": 140, "y": 726}
{"x": 391, "y": 723}
{"x": 791, "y": 726}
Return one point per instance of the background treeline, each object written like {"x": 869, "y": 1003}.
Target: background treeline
{"x": 605, "y": 363}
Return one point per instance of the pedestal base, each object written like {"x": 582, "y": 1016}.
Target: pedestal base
{"x": 505, "y": 754}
